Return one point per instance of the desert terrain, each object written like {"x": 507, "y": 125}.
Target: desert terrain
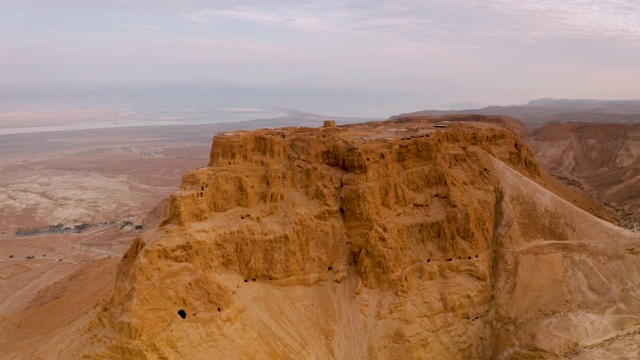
{"x": 419, "y": 237}
{"x": 598, "y": 159}
{"x": 107, "y": 180}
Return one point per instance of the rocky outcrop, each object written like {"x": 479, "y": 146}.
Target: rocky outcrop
{"x": 412, "y": 238}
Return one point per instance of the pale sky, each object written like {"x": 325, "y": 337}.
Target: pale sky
{"x": 494, "y": 52}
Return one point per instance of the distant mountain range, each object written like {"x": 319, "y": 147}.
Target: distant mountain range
{"x": 538, "y": 112}
{"x": 215, "y": 94}
{"x": 204, "y": 94}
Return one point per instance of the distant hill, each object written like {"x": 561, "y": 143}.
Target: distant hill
{"x": 539, "y": 112}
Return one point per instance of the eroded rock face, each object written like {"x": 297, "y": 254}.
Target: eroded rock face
{"x": 588, "y": 149}
{"x": 382, "y": 240}
{"x": 284, "y": 203}
{"x": 598, "y": 158}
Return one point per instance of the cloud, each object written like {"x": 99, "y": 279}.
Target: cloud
{"x": 460, "y": 47}
{"x": 413, "y": 20}
{"x": 578, "y": 18}
{"x": 298, "y": 20}
{"x": 399, "y": 21}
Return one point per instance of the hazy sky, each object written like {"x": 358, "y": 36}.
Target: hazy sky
{"x": 495, "y": 51}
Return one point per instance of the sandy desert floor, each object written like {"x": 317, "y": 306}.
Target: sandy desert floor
{"x": 102, "y": 178}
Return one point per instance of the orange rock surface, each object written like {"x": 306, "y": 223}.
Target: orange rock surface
{"x": 418, "y": 238}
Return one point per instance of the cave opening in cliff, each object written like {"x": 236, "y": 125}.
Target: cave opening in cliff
{"x": 182, "y": 313}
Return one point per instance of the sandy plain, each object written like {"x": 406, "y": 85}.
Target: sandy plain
{"x": 103, "y": 178}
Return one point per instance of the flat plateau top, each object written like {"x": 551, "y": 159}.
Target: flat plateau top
{"x": 400, "y": 129}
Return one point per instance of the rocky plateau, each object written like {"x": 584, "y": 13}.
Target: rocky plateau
{"x": 416, "y": 238}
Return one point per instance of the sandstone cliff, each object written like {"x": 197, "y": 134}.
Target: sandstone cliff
{"x": 389, "y": 240}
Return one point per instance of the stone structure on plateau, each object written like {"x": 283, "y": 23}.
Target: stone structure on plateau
{"x": 385, "y": 240}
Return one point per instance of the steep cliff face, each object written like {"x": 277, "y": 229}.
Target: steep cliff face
{"x": 397, "y": 239}
{"x": 269, "y": 196}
